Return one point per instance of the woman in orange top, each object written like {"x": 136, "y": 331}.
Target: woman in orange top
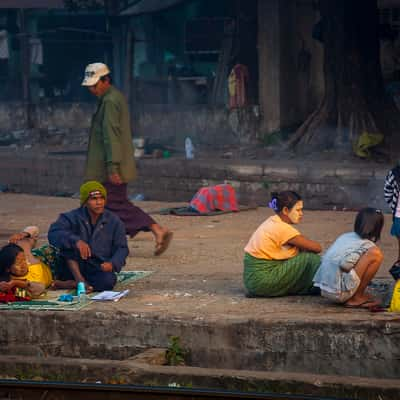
{"x": 278, "y": 259}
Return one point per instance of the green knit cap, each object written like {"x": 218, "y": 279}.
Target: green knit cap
{"x": 89, "y": 188}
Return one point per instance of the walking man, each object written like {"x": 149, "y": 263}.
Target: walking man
{"x": 110, "y": 155}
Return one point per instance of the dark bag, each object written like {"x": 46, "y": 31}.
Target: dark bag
{"x": 395, "y": 271}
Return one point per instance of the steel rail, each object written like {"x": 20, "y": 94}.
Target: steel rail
{"x": 12, "y": 389}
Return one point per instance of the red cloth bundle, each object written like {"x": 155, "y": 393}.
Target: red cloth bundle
{"x": 13, "y": 295}
{"x": 213, "y": 198}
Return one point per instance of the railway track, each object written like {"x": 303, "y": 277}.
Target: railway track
{"x": 33, "y": 390}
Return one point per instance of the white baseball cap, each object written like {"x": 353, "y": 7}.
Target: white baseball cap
{"x": 94, "y": 72}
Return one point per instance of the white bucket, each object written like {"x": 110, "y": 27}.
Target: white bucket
{"x": 138, "y": 142}
{"x": 138, "y": 153}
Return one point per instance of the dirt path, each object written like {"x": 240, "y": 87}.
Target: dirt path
{"x": 201, "y": 273}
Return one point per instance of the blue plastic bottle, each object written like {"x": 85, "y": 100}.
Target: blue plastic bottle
{"x": 81, "y": 292}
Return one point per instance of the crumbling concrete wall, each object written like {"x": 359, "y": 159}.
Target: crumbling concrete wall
{"x": 45, "y": 124}
{"x": 215, "y": 127}
{"x": 351, "y": 348}
{"x": 12, "y": 117}
{"x": 322, "y": 186}
{"x": 55, "y": 115}
{"x": 73, "y": 116}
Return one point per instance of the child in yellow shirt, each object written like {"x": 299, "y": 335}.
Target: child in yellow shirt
{"x": 19, "y": 268}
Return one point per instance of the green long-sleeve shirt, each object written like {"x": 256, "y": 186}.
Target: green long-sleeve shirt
{"x": 110, "y": 148}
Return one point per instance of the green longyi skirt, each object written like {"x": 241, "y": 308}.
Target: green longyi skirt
{"x": 271, "y": 278}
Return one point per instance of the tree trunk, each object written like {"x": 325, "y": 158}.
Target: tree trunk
{"x": 354, "y": 100}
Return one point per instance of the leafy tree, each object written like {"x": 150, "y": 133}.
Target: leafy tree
{"x": 355, "y": 99}
{"x": 75, "y": 5}
{"x": 110, "y": 6}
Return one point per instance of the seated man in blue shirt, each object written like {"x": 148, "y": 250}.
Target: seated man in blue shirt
{"x": 91, "y": 240}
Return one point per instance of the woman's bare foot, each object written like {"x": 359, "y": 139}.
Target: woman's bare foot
{"x": 363, "y": 301}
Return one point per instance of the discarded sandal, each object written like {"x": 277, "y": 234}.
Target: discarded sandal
{"x": 377, "y": 309}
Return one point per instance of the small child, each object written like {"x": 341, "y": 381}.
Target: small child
{"x": 392, "y": 197}
{"x": 352, "y": 261}
{"x": 20, "y": 269}
{"x": 46, "y": 255}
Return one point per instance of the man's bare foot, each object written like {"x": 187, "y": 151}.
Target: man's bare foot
{"x": 89, "y": 289}
{"x": 57, "y": 284}
{"x": 162, "y": 242}
{"x": 70, "y": 284}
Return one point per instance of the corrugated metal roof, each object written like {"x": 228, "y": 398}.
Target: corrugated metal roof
{"x": 148, "y": 6}
{"x": 388, "y": 3}
{"x": 31, "y": 4}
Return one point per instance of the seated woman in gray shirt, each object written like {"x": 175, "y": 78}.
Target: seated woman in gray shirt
{"x": 352, "y": 261}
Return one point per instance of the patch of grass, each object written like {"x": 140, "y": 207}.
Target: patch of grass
{"x": 175, "y": 354}
{"x": 31, "y": 373}
{"x": 266, "y": 185}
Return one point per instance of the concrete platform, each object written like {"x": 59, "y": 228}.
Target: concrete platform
{"x": 196, "y": 293}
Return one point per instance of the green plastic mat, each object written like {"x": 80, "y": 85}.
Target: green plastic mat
{"x": 49, "y": 302}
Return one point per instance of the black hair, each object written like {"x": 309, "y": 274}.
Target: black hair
{"x": 369, "y": 223}
{"x": 280, "y": 200}
{"x": 107, "y": 77}
{"x": 8, "y": 255}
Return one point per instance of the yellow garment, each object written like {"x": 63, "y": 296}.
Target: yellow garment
{"x": 40, "y": 273}
{"x": 232, "y": 82}
{"x": 395, "y": 303}
{"x": 366, "y": 140}
{"x": 268, "y": 241}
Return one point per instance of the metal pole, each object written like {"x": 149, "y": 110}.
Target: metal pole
{"x": 25, "y": 67}
{"x": 128, "y": 65}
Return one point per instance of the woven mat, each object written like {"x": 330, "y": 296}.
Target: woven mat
{"x": 49, "y": 300}
{"x": 189, "y": 212}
